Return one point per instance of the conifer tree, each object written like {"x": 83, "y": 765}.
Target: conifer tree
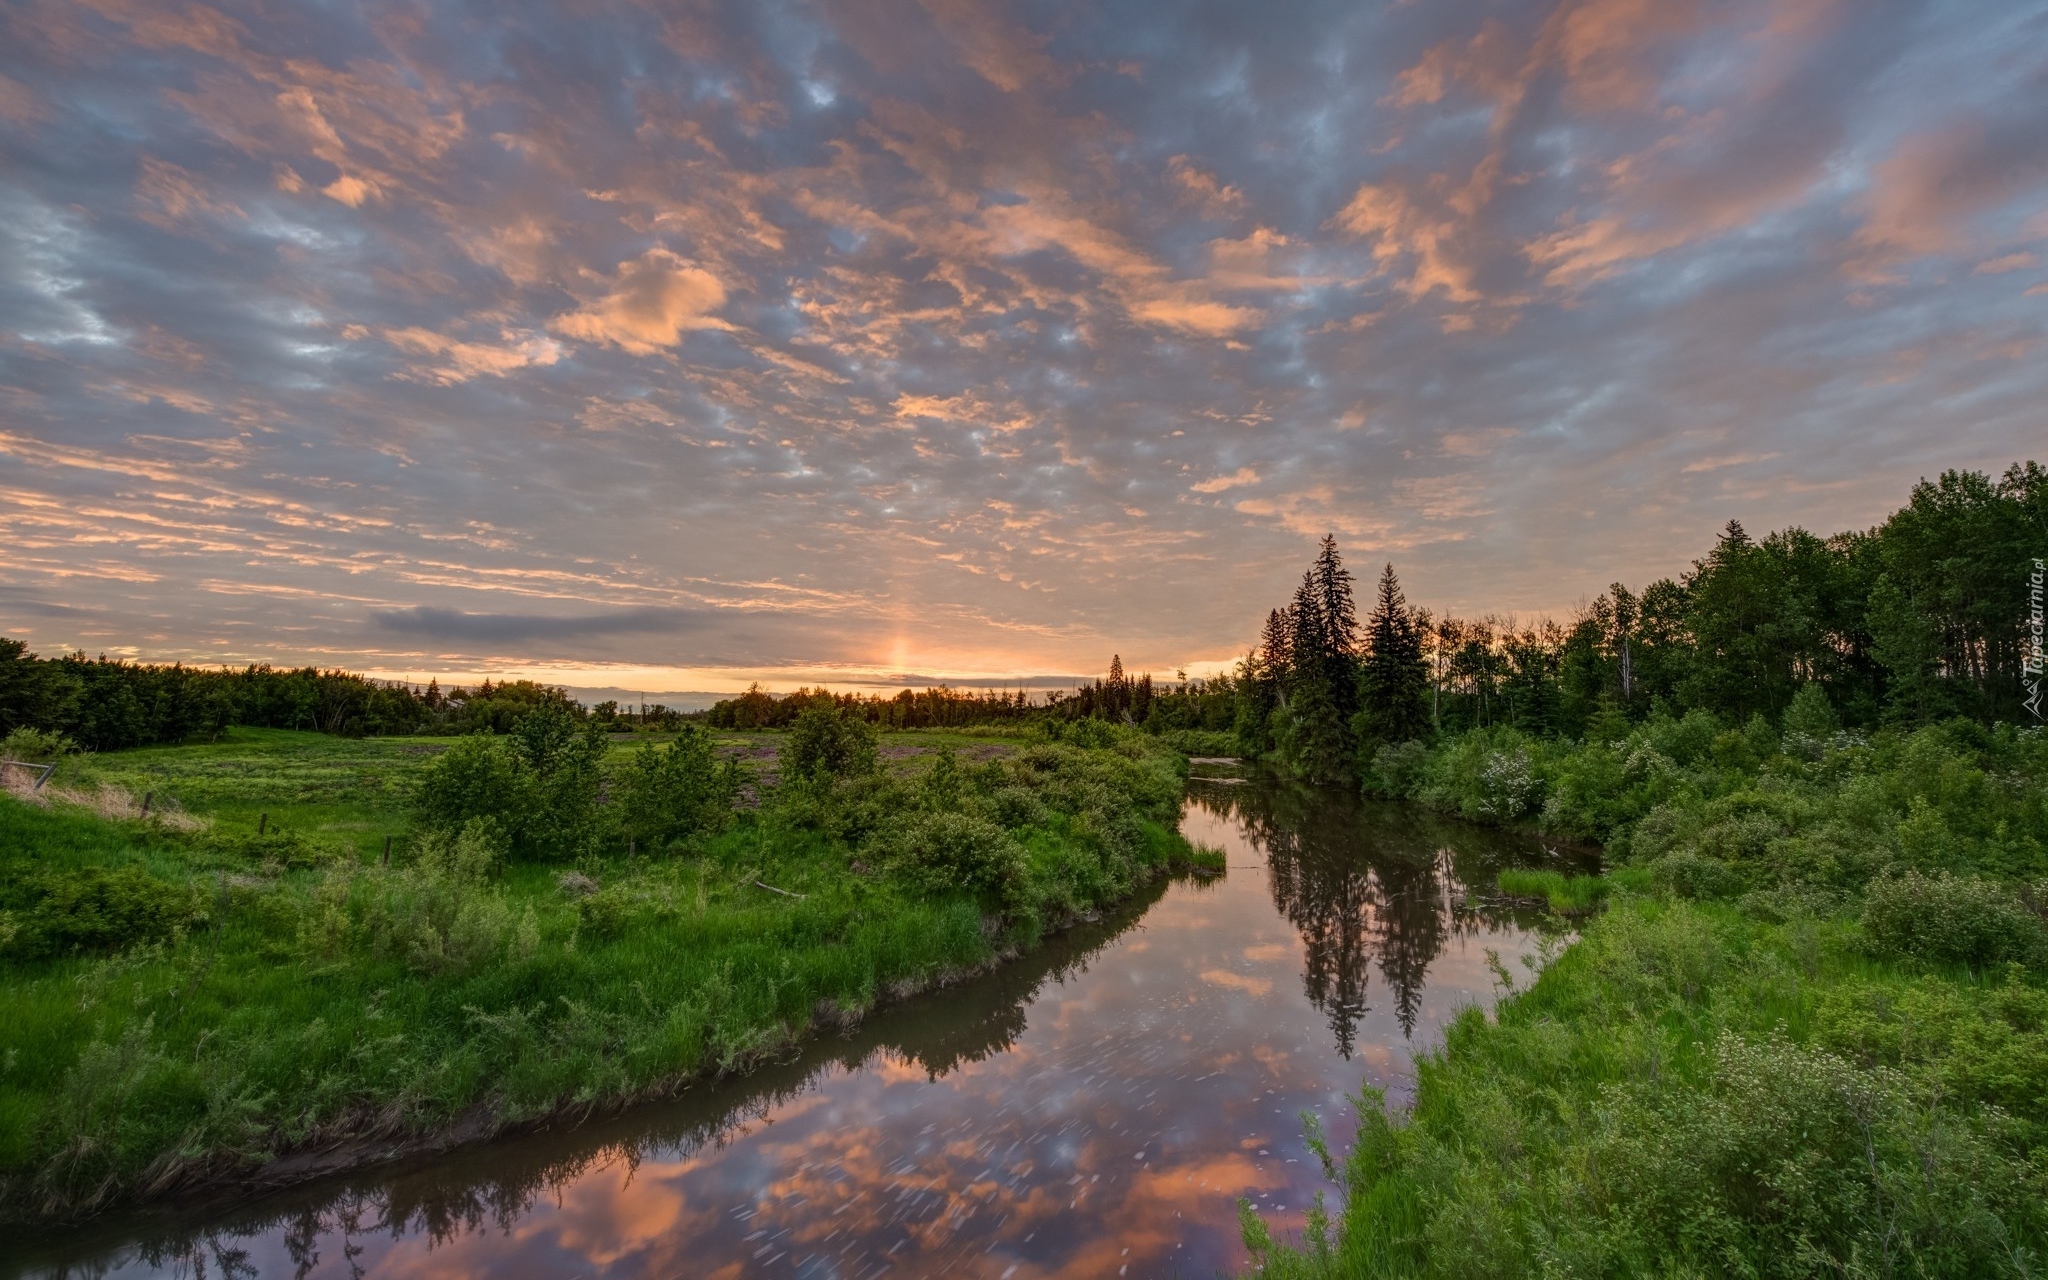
{"x": 1394, "y": 681}
{"x": 1314, "y": 735}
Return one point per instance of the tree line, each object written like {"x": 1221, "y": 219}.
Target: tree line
{"x": 105, "y": 704}
{"x": 1920, "y": 619}
{"x": 1917, "y": 620}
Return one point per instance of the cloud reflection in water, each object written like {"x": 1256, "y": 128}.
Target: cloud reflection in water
{"x": 1095, "y": 1109}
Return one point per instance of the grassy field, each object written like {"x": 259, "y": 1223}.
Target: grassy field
{"x": 1803, "y": 1031}
{"x": 190, "y": 1001}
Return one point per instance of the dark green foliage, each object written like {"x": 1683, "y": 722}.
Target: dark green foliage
{"x": 827, "y": 743}
{"x": 93, "y": 909}
{"x": 1811, "y": 1038}
{"x": 1210, "y": 743}
{"x": 944, "y": 852}
{"x": 479, "y": 775}
{"x": 1917, "y": 621}
{"x": 541, "y": 783}
{"x": 1398, "y": 769}
{"x": 1951, "y": 919}
{"x": 663, "y": 794}
{"x": 1393, "y": 681}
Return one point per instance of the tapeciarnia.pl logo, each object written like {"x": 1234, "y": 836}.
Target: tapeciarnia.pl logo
{"x": 2033, "y": 665}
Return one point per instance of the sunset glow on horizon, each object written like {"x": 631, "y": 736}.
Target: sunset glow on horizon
{"x": 676, "y": 347}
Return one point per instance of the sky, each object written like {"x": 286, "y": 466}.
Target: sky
{"x": 672, "y": 346}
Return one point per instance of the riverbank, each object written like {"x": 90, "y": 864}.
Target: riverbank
{"x": 1812, "y": 1038}
{"x": 193, "y": 1002}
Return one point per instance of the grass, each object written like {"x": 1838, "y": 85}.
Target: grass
{"x": 1691, "y": 1091}
{"x": 288, "y": 993}
{"x": 1803, "y": 1029}
{"x": 1571, "y": 894}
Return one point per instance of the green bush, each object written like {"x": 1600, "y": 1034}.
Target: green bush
{"x": 35, "y": 746}
{"x": 478, "y": 776}
{"x": 438, "y": 915}
{"x": 942, "y": 852}
{"x": 1398, "y": 769}
{"x": 665, "y": 794}
{"x": 275, "y": 847}
{"x": 540, "y": 782}
{"x": 826, "y": 743}
{"x": 1487, "y": 775}
{"x": 1209, "y": 743}
{"x": 1951, "y": 919}
{"x": 94, "y": 909}
{"x": 1018, "y": 807}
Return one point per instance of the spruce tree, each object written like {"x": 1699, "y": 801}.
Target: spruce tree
{"x": 1313, "y": 735}
{"x": 1393, "y": 684}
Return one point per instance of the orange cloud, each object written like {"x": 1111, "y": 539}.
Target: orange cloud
{"x": 655, "y": 299}
{"x": 460, "y": 361}
{"x": 1005, "y": 54}
{"x": 1242, "y": 476}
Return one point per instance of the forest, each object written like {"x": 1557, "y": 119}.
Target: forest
{"x": 1803, "y": 1026}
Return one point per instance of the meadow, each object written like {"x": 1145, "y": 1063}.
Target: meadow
{"x": 1803, "y": 1029}
{"x": 237, "y": 987}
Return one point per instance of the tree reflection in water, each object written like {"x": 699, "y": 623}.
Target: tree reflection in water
{"x": 1367, "y": 881}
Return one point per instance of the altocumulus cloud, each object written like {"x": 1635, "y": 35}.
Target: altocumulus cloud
{"x": 975, "y": 338}
{"x": 511, "y": 628}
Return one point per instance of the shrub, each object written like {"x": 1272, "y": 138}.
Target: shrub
{"x": 1810, "y": 722}
{"x": 940, "y": 852}
{"x": 277, "y": 847}
{"x": 478, "y": 776}
{"x": 662, "y": 795}
{"x": 540, "y": 783}
{"x": 1088, "y": 734}
{"x": 1487, "y": 775}
{"x": 92, "y": 909}
{"x": 1209, "y": 743}
{"x": 1016, "y": 807}
{"x": 940, "y": 787}
{"x": 1951, "y": 919}
{"x": 1695, "y": 875}
{"x": 35, "y": 746}
{"x": 1792, "y": 1153}
{"x": 826, "y": 743}
{"x": 438, "y": 915}
{"x": 1398, "y": 769}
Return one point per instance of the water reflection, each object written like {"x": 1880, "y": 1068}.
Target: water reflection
{"x": 1368, "y": 883}
{"x": 1095, "y": 1109}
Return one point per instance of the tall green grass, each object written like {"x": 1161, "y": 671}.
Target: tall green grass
{"x": 1811, "y": 1038}
{"x": 314, "y": 995}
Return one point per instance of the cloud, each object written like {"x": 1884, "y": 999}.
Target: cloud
{"x": 460, "y": 361}
{"x": 2005, "y": 262}
{"x": 1928, "y": 195}
{"x": 1202, "y": 189}
{"x": 1242, "y": 476}
{"x": 1399, "y": 230}
{"x": 1007, "y": 55}
{"x": 653, "y": 300}
{"x": 513, "y": 628}
{"x": 314, "y": 316}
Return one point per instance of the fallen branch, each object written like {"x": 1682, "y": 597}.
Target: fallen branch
{"x": 784, "y": 892}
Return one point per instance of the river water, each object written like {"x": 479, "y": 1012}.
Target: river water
{"x": 1096, "y": 1109}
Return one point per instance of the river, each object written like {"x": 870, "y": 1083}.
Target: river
{"x": 1095, "y": 1109}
